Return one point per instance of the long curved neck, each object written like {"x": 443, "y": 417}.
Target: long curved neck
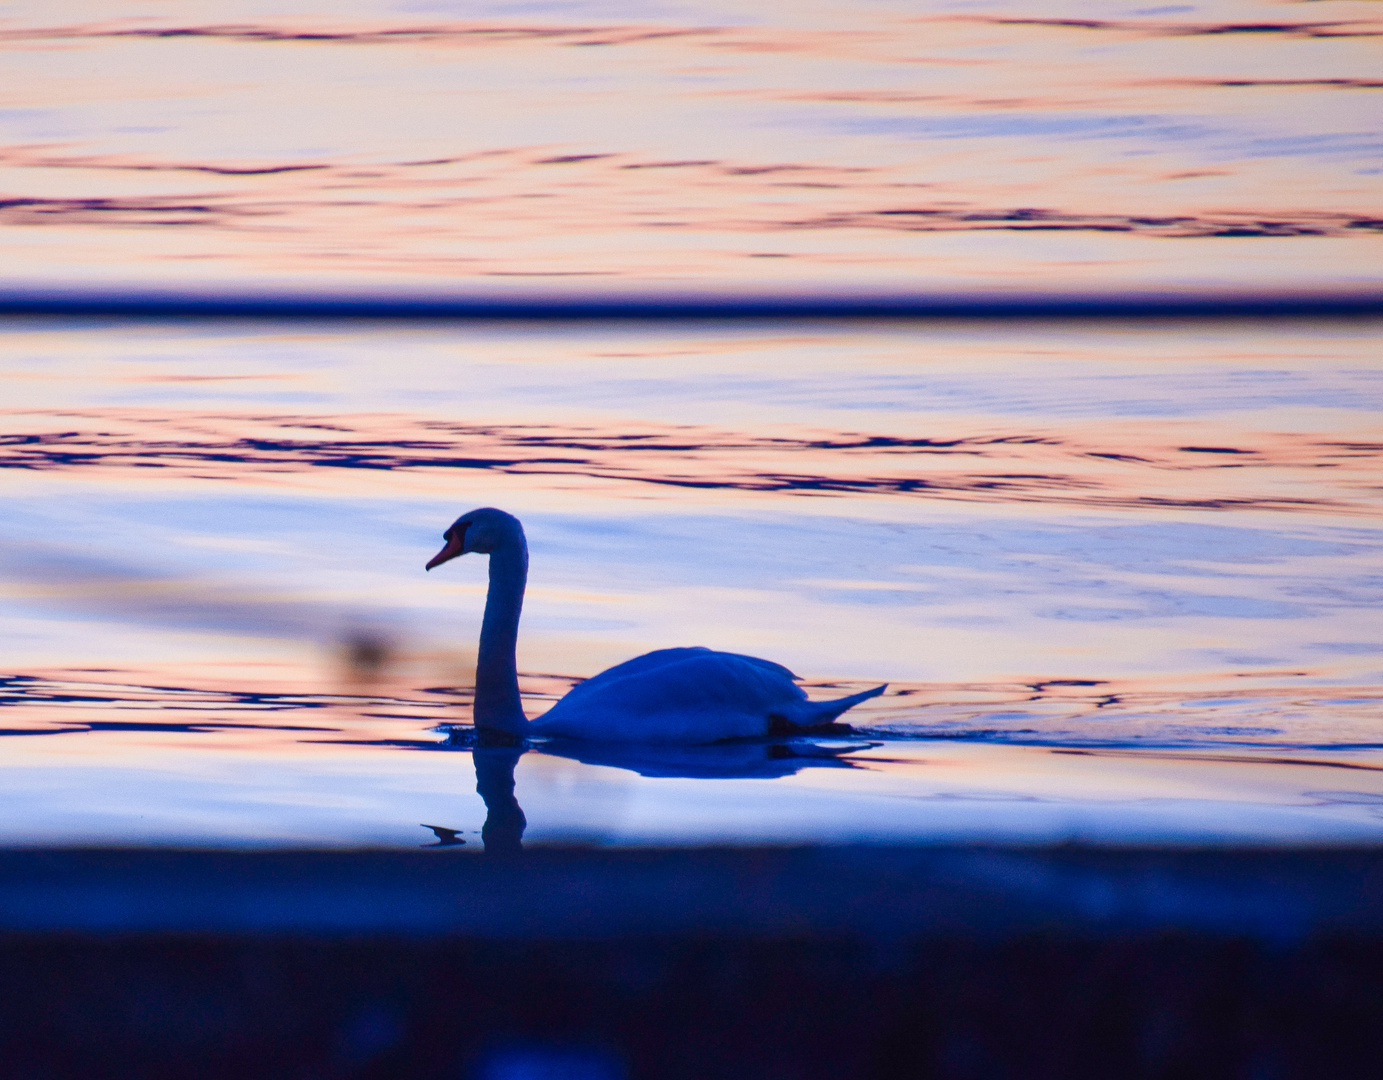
{"x": 497, "y": 703}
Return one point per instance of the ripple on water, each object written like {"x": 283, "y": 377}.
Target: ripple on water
{"x": 1053, "y": 713}
{"x": 1121, "y": 578}
{"x": 294, "y": 768}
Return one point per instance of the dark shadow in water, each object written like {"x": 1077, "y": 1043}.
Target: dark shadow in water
{"x": 1178, "y": 28}
{"x": 1240, "y": 759}
{"x": 195, "y": 728}
{"x": 28, "y": 690}
{"x": 222, "y": 212}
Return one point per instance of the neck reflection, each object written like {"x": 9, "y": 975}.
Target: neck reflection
{"x": 502, "y": 833}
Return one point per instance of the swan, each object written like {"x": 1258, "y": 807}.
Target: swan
{"x": 671, "y": 696}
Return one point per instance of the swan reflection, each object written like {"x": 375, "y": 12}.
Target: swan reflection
{"x": 741, "y": 760}
{"x": 505, "y": 823}
{"x": 502, "y": 832}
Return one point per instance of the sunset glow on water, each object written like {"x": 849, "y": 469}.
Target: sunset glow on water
{"x": 1126, "y": 566}
{"x": 1121, "y": 576}
{"x": 951, "y": 145}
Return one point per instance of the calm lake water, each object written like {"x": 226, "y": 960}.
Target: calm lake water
{"x": 1123, "y": 579}
{"x": 490, "y": 146}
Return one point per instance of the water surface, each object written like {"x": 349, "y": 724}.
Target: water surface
{"x": 1122, "y": 578}
{"x": 482, "y": 147}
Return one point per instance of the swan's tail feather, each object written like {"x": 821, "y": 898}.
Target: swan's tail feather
{"x": 815, "y": 713}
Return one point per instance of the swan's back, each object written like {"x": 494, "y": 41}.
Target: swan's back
{"x": 691, "y": 695}
{"x": 677, "y": 696}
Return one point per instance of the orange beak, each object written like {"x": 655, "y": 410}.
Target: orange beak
{"x": 456, "y": 543}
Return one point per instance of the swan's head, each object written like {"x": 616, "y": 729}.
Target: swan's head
{"x": 481, "y": 531}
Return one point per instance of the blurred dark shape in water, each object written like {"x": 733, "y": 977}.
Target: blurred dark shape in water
{"x": 366, "y": 655}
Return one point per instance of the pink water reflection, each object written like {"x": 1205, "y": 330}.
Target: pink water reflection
{"x": 1061, "y": 544}
{"x": 842, "y": 146}
{"x": 1083, "y": 466}
{"x": 94, "y": 759}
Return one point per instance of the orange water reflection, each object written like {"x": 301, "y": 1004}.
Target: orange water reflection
{"x": 841, "y": 145}
{"x": 1087, "y": 466}
{"x": 91, "y": 759}
{"x": 1154, "y": 539}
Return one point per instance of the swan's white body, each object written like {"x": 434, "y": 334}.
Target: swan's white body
{"x": 670, "y": 696}
{"x": 688, "y": 696}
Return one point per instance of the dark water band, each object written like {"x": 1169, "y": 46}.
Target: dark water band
{"x": 706, "y": 304}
